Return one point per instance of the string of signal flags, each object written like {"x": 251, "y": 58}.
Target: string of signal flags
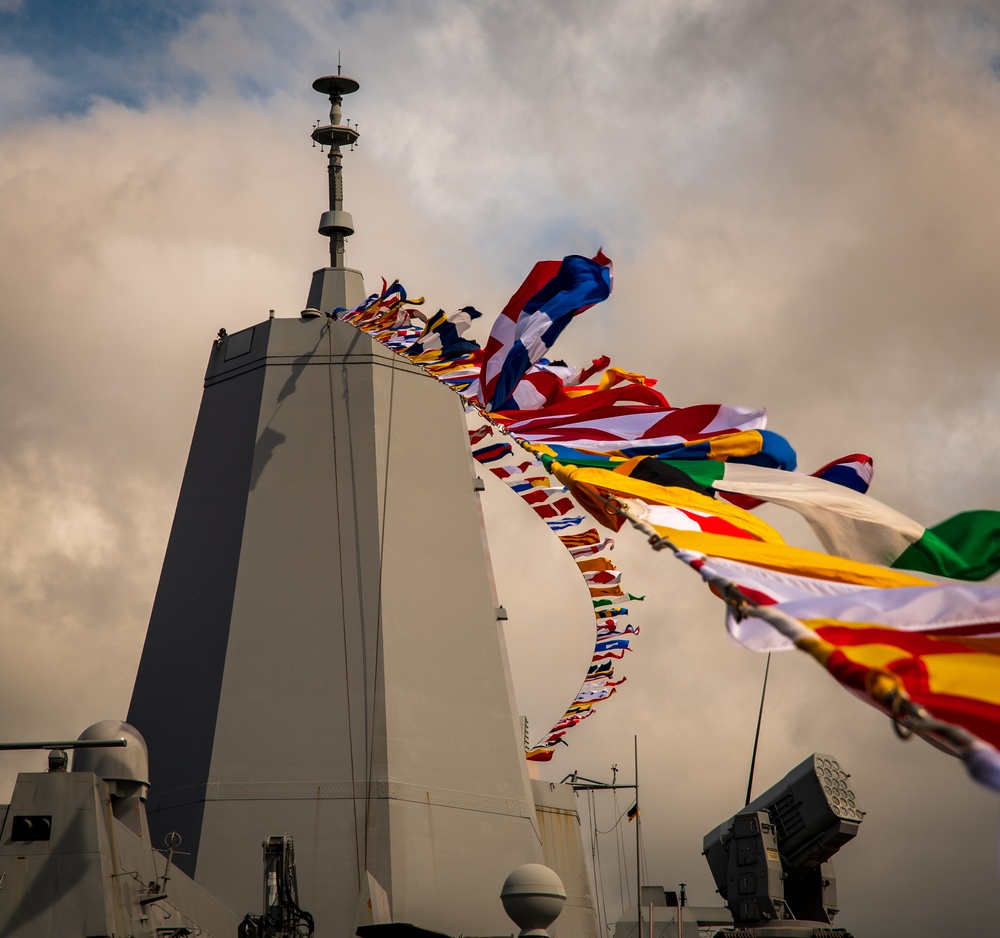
{"x": 613, "y": 450}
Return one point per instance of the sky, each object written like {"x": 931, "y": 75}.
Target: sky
{"x": 803, "y": 208}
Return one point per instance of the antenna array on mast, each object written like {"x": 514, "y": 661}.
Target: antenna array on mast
{"x": 336, "y": 224}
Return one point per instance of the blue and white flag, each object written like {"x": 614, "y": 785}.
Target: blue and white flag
{"x": 563, "y": 523}
{"x": 534, "y": 317}
{"x": 445, "y": 333}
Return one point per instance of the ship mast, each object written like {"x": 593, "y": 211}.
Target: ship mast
{"x": 336, "y": 224}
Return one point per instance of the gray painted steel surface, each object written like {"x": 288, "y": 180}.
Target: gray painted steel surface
{"x": 92, "y": 874}
{"x": 335, "y": 286}
{"x": 323, "y": 657}
{"x": 129, "y": 763}
{"x": 556, "y": 807}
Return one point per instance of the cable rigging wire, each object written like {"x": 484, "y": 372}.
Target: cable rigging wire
{"x": 620, "y": 845}
{"x": 618, "y": 850}
{"x": 614, "y": 826}
{"x": 343, "y": 603}
{"x": 642, "y": 851}
{"x": 881, "y": 687}
{"x": 378, "y": 624}
{"x": 595, "y": 852}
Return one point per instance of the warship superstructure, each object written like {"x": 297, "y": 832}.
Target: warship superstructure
{"x": 324, "y": 657}
{"x": 324, "y": 665}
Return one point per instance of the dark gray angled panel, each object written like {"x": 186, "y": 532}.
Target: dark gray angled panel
{"x": 176, "y": 694}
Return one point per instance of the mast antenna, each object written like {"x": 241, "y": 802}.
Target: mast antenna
{"x": 335, "y": 223}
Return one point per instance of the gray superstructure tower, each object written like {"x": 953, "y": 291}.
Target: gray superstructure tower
{"x": 323, "y": 657}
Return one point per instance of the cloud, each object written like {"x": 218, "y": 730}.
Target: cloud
{"x": 25, "y": 89}
{"x": 802, "y": 207}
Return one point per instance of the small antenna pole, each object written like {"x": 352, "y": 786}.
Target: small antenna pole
{"x": 680, "y": 911}
{"x": 638, "y": 822}
{"x": 756, "y": 735}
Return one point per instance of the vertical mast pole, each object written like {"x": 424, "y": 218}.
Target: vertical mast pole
{"x": 756, "y": 735}
{"x": 638, "y": 822}
{"x": 336, "y": 224}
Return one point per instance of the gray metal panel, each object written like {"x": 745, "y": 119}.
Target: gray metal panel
{"x": 365, "y": 705}
{"x": 176, "y": 693}
{"x": 56, "y": 886}
{"x": 334, "y": 287}
{"x": 664, "y": 923}
{"x": 438, "y": 598}
{"x": 556, "y": 808}
{"x": 295, "y": 678}
{"x": 92, "y": 875}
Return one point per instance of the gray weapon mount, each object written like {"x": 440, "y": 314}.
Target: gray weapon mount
{"x": 771, "y": 861}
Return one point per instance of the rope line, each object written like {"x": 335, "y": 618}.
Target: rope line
{"x": 642, "y": 850}
{"x": 360, "y": 587}
{"x": 595, "y": 854}
{"x": 622, "y": 892}
{"x": 616, "y": 824}
{"x": 343, "y": 604}
{"x": 884, "y": 689}
{"x": 378, "y": 614}
{"x": 469, "y": 404}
